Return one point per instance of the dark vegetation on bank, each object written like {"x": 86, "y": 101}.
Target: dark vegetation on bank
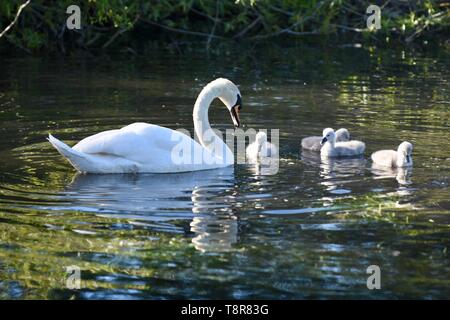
{"x": 125, "y": 24}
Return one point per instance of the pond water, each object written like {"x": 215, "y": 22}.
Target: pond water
{"x": 309, "y": 231}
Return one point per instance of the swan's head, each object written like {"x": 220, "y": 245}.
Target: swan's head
{"x": 405, "y": 150}
{"x": 342, "y": 135}
{"x": 328, "y": 135}
{"x": 230, "y": 95}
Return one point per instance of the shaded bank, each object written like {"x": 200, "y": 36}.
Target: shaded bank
{"x": 110, "y": 25}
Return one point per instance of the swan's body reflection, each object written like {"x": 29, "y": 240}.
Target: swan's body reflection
{"x": 157, "y": 199}
{"x": 401, "y": 174}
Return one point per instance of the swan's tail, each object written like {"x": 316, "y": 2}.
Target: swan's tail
{"x": 78, "y": 160}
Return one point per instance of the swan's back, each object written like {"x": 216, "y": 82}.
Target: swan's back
{"x": 133, "y": 140}
{"x": 386, "y": 158}
{"x": 349, "y": 148}
{"x": 312, "y": 143}
{"x": 342, "y": 134}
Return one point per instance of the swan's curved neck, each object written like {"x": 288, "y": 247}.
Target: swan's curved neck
{"x": 205, "y": 134}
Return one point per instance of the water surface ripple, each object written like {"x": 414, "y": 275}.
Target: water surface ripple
{"x": 308, "y": 232}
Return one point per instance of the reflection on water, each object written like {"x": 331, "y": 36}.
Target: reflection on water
{"x": 308, "y": 229}
{"x": 157, "y": 199}
{"x": 335, "y": 172}
{"x": 402, "y": 175}
{"x": 266, "y": 167}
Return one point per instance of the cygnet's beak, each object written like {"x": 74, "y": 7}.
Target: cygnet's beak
{"x": 323, "y": 140}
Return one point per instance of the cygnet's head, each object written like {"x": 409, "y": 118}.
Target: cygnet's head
{"x": 261, "y": 139}
{"x": 405, "y": 149}
{"x": 230, "y": 95}
{"x": 342, "y": 134}
{"x": 328, "y": 135}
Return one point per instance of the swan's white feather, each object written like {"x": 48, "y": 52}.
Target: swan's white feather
{"x": 138, "y": 147}
{"x": 333, "y": 149}
{"x": 141, "y": 142}
{"x": 348, "y": 148}
{"x": 312, "y": 143}
{"x": 95, "y": 163}
{"x": 386, "y": 158}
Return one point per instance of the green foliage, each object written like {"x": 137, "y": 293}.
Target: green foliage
{"x": 41, "y": 24}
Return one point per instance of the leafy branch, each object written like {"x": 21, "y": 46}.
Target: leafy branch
{"x": 15, "y": 18}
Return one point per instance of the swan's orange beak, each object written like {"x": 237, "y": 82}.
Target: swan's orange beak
{"x": 235, "y": 112}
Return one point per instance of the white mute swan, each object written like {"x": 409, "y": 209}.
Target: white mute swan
{"x": 143, "y": 147}
{"x": 313, "y": 143}
{"x": 260, "y": 148}
{"x": 332, "y": 149}
{"x": 395, "y": 159}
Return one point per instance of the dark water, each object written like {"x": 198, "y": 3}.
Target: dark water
{"x": 309, "y": 231}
